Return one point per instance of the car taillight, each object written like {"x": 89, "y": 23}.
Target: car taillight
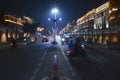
{"x": 68, "y": 52}
{"x": 11, "y": 44}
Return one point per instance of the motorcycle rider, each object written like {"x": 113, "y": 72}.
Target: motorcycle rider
{"x": 71, "y": 44}
{"x": 77, "y": 49}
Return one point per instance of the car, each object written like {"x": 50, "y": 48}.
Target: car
{"x": 24, "y": 40}
{"x": 44, "y": 39}
{"x": 33, "y": 39}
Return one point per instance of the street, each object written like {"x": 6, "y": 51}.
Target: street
{"x": 60, "y": 40}
{"x": 36, "y": 62}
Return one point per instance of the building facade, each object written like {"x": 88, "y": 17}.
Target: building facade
{"x": 10, "y": 26}
{"x": 86, "y": 26}
{"x": 100, "y": 25}
{"x": 114, "y": 20}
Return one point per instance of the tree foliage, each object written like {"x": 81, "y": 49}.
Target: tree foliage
{"x": 30, "y": 28}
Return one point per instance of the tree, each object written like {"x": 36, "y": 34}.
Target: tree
{"x": 30, "y": 28}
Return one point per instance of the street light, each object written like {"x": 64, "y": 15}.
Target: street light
{"x": 54, "y": 11}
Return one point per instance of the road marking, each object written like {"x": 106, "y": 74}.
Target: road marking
{"x": 32, "y": 78}
{"x": 39, "y": 65}
{"x": 45, "y": 78}
{"x": 70, "y": 68}
{"x": 55, "y": 67}
{"x": 42, "y": 58}
{"x": 36, "y": 71}
{"x": 67, "y": 78}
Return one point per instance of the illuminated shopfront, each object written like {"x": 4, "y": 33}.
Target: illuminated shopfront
{"x": 86, "y": 25}
{"x": 3, "y": 37}
{"x": 10, "y": 27}
{"x": 114, "y": 20}
{"x": 101, "y": 23}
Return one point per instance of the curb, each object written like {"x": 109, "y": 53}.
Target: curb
{"x": 4, "y": 43}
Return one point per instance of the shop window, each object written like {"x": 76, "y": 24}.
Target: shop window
{"x": 3, "y": 38}
{"x": 114, "y": 39}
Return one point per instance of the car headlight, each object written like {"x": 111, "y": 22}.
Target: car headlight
{"x": 63, "y": 39}
{"x": 25, "y": 39}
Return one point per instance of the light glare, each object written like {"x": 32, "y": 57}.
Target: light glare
{"x": 49, "y": 19}
{"x": 55, "y": 10}
{"x": 60, "y": 19}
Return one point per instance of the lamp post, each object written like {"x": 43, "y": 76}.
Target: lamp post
{"x": 55, "y": 11}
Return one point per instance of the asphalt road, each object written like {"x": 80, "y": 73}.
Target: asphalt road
{"x": 36, "y": 62}
{"x": 19, "y": 63}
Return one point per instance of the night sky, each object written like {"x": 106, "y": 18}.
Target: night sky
{"x": 40, "y": 10}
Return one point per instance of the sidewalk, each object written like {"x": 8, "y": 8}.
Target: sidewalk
{"x": 4, "y": 45}
{"x": 103, "y": 48}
